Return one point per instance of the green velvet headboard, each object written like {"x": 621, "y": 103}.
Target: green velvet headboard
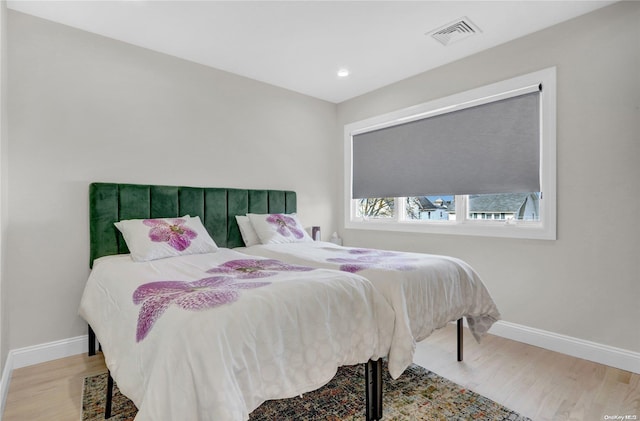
{"x": 216, "y": 207}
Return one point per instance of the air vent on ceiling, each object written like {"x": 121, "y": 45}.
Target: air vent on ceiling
{"x": 455, "y": 31}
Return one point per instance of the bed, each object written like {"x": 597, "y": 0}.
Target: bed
{"x": 213, "y": 334}
{"x": 426, "y": 291}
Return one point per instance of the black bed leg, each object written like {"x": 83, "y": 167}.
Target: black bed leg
{"x": 460, "y": 339}
{"x": 92, "y": 341}
{"x": 109, "y": 400}
{"x": 373, "y": 380}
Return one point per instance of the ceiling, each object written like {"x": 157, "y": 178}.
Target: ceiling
{"x": 300, "y": 45}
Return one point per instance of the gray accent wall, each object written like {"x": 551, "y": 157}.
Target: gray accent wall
{"x": 585, "y": 285}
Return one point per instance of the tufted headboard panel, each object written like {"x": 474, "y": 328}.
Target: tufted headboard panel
{"x": 216, "y": 207}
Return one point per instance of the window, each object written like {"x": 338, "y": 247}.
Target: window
{"x": 501, "y": 194}
{"x": 376, "y": 208}
{"x": 505, "y": 206}
{"x": 429, "y": 208}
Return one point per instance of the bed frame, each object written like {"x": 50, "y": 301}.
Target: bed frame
{"x": 217, "y": 208}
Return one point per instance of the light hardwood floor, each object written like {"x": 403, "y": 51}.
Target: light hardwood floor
{"x": 540, "y": 384}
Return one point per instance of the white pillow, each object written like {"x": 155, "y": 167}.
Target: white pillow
{"x": 278, "y": 228}
{"x": 150, "y": 239}
{"x": 249, "y": 234}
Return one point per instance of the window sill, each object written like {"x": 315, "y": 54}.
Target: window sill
{"x": 520, "y": 230}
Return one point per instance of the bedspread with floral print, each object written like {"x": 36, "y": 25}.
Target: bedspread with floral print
{"x": 211, "y": 336}
{"x": 357, "y": 259}
{"x": 426, "y": 291}
{"x": 204, "y": 293}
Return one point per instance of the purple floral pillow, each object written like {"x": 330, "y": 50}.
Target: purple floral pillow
{"x": 151, "y": 239}
{"x": 278, "y": 228}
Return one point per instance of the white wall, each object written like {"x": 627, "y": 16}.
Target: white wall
{"x": 3, "y": 179}
{"x": 587, "y": 283}
{"x": 85, "y": 108}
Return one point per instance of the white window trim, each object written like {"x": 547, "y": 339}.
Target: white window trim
{"x": 543, "y": 230}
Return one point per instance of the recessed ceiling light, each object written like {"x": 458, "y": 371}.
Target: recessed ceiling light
{"x": 343, "y": 72}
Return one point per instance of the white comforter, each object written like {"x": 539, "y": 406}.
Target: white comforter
{"x": 426, "y": 291}
{"x": 195, "y": 338}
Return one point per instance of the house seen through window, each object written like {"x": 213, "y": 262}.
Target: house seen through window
{"x": 490, "y": 207}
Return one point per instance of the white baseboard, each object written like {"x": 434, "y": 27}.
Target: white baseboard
{"x": 31, "y": 355}
{"x": 49, "y": 351}
{"x": 4, "y": 383}
{"x": 592, "y": 351}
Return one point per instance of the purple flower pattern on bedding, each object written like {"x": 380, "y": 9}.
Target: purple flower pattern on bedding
{"x": 204, "y": 293}
{"x": 285, "y": 225}
{"x": 255, "y": 268}
{"x": 373, "y": 259}
{"x": 171, "y": 231}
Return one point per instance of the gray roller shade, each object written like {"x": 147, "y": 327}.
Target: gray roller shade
{"x": 488, "y": 148}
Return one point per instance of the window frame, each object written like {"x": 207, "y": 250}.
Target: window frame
{"x": 545, "y": 229}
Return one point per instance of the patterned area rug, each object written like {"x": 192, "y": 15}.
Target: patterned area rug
{"x": 417, "y": 395}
